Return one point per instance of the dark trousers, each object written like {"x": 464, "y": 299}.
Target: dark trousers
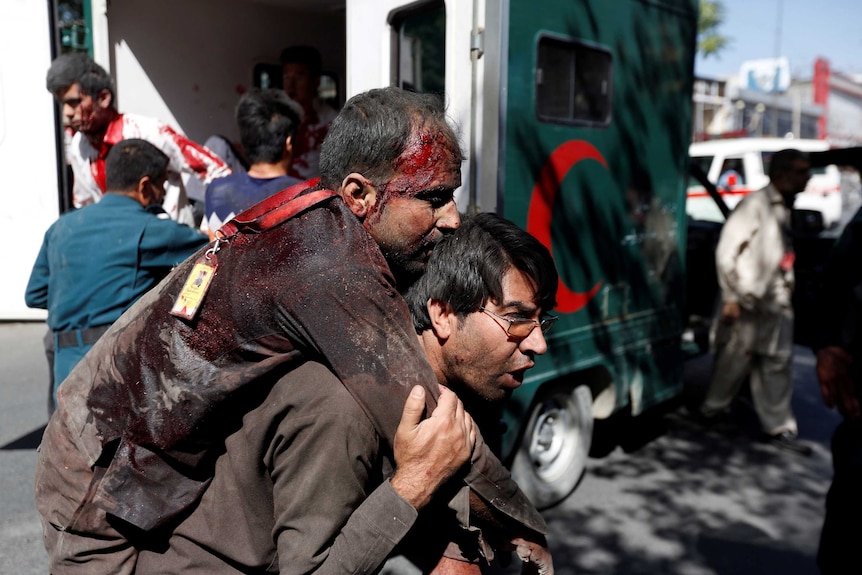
{"x": 841, "y": 537}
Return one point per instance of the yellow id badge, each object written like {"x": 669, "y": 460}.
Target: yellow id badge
{"x": 189, "y": 301}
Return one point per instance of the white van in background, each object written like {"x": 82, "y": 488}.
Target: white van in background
{"x": 739, "y": 166}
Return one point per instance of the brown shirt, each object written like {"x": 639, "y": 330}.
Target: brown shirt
{"x": 283, "y": 495}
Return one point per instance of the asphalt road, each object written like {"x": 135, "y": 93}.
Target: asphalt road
{"x": 661, "y": 496}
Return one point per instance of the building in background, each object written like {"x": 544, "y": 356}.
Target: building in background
{"x": 840, "y": 96}
{"x": 763, "y": 100}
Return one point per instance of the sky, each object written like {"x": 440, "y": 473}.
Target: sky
{"x": 809, "y": 29}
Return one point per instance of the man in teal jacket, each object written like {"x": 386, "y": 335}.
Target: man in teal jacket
{"x": 97, "y": 261}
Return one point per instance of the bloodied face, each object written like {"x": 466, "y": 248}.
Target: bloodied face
{"x": 413, "y": 210}
{"x": 83, "y": 112}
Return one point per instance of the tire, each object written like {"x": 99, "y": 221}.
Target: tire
{"x": 555, "y": 444}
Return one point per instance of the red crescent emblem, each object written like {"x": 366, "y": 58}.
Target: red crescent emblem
{"x": 542, "y": 204}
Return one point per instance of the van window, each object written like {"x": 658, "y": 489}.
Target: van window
{"x": 419, "y": 48}
{"x": 573, "y": 82}
{"x": 268, "y": 76}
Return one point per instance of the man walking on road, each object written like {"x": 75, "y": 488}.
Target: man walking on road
{"x": 753, "y": 332}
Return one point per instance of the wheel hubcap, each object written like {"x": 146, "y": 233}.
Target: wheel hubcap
{"x": 554, "y": 439}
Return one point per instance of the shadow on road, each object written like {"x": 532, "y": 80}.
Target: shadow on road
{"x": 28, "y": 441}
{"x": 743, "y": 550}
{"x": 666, "y": 495}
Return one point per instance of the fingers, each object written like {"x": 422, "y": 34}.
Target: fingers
{"x": 452, "y": 406}
{"x": 429, "y": 452}
{"x": 414, "y": 407}
{"x": 536, "y": 558}
{"x": 461, "y": 416}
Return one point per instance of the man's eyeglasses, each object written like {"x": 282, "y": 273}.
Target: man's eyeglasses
{"x": 523, "y": 327}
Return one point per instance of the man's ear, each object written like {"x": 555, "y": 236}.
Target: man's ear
{"x": 444, "y": 320}
{"x": 104, "y": 99}
{"x": 144, "y": 191}
{"x": 288, "y": 145}
{"x": 358, "y": 193}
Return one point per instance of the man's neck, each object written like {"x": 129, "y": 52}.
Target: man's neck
{"x": 265, "y": 171}
{"x": 431, "y": 346}
{"x": 787, "y": 197}
{"x": 133, "y": 194}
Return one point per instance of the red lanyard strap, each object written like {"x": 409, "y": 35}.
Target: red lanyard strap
{"x": 274, "y": 210}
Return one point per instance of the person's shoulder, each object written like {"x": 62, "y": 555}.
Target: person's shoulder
{"x": 65, "y": 220}
{"x": 80, "y": 215}
{"x": 175, "y": 228}
{"x": 147, "y": 128}
{"x": 132, "y": 118}
{"x": 314, "y": 389}
{"x": 286, "y": 181}
{"x": 227, "y": 183}
{"x": 264, "y": 188}
{"x": 767, "y": 193}
{"x": 752, "y": 201}
{"x": 332, "y": 240}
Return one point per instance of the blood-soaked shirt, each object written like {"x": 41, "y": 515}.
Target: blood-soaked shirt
{"x": 185, "y": 159}
{"x": 149, "y": 400}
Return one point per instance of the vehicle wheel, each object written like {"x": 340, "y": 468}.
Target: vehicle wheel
{"x": 553, "y": 452}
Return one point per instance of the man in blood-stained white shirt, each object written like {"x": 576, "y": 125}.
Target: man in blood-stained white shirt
{"x": 86, "y": 92}
{"x": 753, "y": 329}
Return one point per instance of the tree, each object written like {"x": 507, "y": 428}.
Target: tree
{"x": 709, "y": 41}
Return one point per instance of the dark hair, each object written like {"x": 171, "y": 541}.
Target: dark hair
{"x": 466, "y": 268}
{"x": 129, "y": 161}
{"x": 265, "y": 119}
{"x": 372, "y": 130}
{"x": 782, "y": 161}
{"x": 307, "y": 55}
{"x": 78, "y": 68}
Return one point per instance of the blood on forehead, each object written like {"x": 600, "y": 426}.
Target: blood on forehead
{"x": 430, "y": 159}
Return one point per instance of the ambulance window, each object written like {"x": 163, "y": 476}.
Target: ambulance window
{"x": 268, "y": 76}
{"x": 732, "y": 173}
{"x": 573, "y": 82}
{"x": 419, "y": 48}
